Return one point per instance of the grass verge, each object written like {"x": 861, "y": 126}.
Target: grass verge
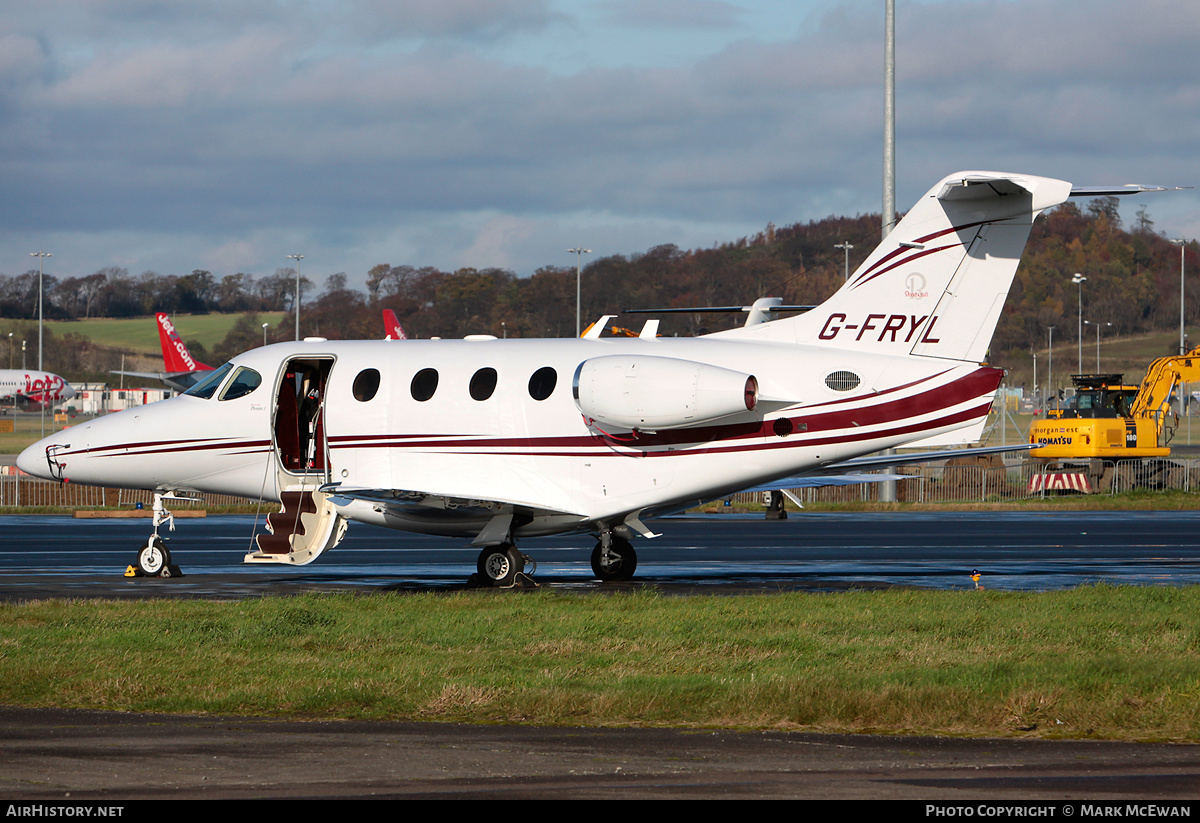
{"x": 1100, "y": 662}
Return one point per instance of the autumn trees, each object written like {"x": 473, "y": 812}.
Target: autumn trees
{"x": 1133, "y": 283}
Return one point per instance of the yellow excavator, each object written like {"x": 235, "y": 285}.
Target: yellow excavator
{"x": 1110, "y": 421}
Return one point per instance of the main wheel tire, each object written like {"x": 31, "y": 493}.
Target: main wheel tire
{"x": 500, "y": 565}
{"x": 153, "y": 557}
{"x": 620, "y": 563}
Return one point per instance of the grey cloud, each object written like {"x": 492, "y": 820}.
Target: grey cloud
{"x": 275, "y": 127}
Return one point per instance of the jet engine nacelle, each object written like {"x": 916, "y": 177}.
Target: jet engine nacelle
{"x": 653, "y": 393}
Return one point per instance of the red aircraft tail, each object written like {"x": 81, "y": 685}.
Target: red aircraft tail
{"x": 391, "y": 325}
{"x": 176, "y": 357}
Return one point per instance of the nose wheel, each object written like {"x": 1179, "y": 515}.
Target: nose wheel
{"x": 154, "y": 558}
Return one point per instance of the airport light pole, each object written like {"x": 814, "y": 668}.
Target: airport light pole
{"x": 579, "y": 252}
{"x": 889, "y": 116}
{"x": 887, "y": 491}
{"x": 845, "y": 246}
{"x": 1182, "y": 343}
{"x": 297, "y": 258}
{"x": 41, "y": 256}
{"x": 264, "y": 325}
{"x": 1097, "y": 325}
{"x": 1050, "y": 376}
{"x": 1078, "y": 280}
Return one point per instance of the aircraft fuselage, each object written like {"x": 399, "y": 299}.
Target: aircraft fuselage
{"x": 499, "y": 420}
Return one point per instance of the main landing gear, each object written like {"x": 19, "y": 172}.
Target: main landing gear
{"x": 503, "y": 565}
{"x": 154, "y": 559}
{"x": 613, "y": 559}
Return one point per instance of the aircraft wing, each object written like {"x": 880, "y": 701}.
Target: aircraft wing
{"x": 179, "y": 381}
{"x": 805, "y": 481}
{"x": 496, "y": 516}
{"x": 848, "y": 472}
{"x": 156, "y": 375}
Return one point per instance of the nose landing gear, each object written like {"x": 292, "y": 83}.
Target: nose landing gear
{"x": 154, "y": 559}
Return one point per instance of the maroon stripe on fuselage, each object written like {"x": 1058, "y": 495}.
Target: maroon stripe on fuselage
{"x": 167, "y": 446}
{"x": 806, "y": 427}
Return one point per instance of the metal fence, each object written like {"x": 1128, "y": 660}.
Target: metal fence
{"x": 17, "y": 490}
{"x": 24, "y": 491}
{"x": 978, "y": 482}
{"x": 999, "y": 482}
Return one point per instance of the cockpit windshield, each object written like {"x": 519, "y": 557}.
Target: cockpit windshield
{"x": 208, "y": 386}
{"x": 244, "y": 381}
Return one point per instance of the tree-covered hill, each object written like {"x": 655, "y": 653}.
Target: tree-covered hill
{"x": 1132, "y": 288}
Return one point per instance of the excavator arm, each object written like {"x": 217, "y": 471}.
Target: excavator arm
{"x": 1161, "y": 378}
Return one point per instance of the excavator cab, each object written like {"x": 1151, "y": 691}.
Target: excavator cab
{"x": 1099, "y": 395}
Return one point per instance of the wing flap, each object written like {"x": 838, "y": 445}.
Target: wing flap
{"x": 409, "y": 499}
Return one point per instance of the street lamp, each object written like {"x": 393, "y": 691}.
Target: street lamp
{"x": 1078, "y": 280}
{"x": 579, "y": 252}
{"x": 1050, "y": 376}
{"x": 1182, "y": 344}
{"x": 1097, "y": 325}
{"x": 845, "y": 246}
{"x": 297, "y": 258}
{"x": 10, "y": 334}
{"x": 41, "y": 256}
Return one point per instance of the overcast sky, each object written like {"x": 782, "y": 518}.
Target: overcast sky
{"x": 227, "y": 134}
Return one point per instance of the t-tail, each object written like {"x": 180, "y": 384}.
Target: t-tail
{"x": 936, "y": 284}
{"x": 176, "y": 357}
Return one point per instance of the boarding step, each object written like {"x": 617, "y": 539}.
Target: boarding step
{"x": 306, "y": 524}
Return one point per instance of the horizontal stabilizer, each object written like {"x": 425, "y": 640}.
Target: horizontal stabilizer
{"x": 1111, "y": 191}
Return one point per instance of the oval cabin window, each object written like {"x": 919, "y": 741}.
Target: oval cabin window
{"x": 483, "y": 383}
{"x": 366, "y": 385}
{"x": 542, "y": 383}
{"x": 424, "y": 384}
{"x": 842, "y": 380}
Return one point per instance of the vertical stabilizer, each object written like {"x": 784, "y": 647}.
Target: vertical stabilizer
{"x": 176, "y": 357}
{"x": 935, "y": 286}
{"x": 391, "y": 326}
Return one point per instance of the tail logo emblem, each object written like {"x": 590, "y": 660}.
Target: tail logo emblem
{"x": 914, "y": 286}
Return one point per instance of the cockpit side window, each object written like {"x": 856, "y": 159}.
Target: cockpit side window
{"x": 208, "y": 386}
{"x": 244, "y": 381}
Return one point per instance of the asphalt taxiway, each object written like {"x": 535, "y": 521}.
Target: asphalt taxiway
{"x": 51, "y": 755}
{"x": 85, "y": 756}
{"x": 712, "y": 554}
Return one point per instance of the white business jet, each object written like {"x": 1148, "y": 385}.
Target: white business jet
{"x": 496, "y": 441}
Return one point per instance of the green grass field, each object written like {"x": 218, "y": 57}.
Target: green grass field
{"x": 1125, "y": 355}
{"x": 1094, "y": 662}
{"x": 140, "y": 334}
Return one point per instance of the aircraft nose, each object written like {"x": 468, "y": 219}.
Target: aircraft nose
{"x": 33, "y": 459}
